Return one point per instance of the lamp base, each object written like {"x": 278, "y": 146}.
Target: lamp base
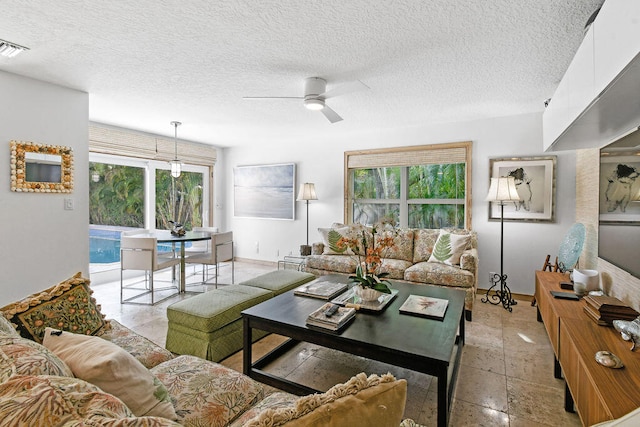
{"x": 499, "y": 296}
{"x": 305, "y": 250}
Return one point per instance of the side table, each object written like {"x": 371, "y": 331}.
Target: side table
{"x": 292, "y": 262}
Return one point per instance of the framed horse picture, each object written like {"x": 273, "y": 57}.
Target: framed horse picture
{"x": 620, "y": 188}
{"x": 535, "y": 179}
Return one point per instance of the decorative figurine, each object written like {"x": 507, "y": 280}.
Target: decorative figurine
{"x": 630, "y": 330}
{"x": 177, "y": 229}
{"x": 608, "y": 359}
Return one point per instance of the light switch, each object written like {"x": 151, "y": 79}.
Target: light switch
{"x": 68, "y": 204}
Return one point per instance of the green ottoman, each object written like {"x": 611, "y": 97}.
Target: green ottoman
{"x": 209, "y": 325}
{"x": 280, "y": 281}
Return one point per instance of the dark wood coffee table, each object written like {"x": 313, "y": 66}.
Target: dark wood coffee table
{"x": 424, "y": 345}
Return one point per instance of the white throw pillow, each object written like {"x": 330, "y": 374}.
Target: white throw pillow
{"x": 330, "y": 237}
{"x": 449, "y": 247}
{"x": 115, "y": 371}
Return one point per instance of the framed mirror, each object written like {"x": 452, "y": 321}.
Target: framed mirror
{"x": 39, "y": 168}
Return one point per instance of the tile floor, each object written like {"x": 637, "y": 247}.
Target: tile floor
{"x": 505, "y": 378}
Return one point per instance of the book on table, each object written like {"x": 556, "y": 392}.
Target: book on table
{"x": 605, "y": 309}
{"x": 322, "y": 287}
{"x": 429, "y": 307}
{"x": 334, "y": 322}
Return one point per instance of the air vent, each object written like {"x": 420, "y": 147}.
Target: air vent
{"x": 9, "y": 50}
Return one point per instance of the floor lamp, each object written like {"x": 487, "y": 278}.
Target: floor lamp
{"x": 307, "y": 192}
{"x": 501, "y": 190}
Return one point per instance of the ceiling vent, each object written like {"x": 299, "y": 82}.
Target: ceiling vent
{"x": 9, "y": 49}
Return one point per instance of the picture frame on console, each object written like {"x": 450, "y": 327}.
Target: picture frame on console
{"x": 620, "y": 189}
{"x": 535, "y": 179}
{"x": 264, "y": 191}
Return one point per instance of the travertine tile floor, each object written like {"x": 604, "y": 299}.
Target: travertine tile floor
{"x": 505, "y": 379}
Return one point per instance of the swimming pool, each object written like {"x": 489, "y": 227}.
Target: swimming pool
{"x": 104, "y": 245}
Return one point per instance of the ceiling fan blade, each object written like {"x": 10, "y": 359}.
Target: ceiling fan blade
{"x": 343, "y": 89}
{"x": 273, "y": 97}
{"x": 331, "y": 115}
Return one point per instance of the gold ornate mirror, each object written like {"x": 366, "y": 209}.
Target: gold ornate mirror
{"x": 39, "y": 168}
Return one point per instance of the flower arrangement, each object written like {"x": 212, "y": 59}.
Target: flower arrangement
{"x": 370, "y": 250}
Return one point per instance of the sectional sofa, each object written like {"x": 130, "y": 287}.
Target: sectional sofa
{"x": 49, "y": 376}
{"x": 409, "y": 260}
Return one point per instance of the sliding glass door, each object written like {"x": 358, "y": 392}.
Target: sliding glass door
{"x": 127, "y": 193}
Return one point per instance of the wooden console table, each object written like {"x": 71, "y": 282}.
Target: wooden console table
{"x": 598, "y": 393}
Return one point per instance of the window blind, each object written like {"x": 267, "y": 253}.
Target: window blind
{"x": 409, "y": 156}
{"x": 125, "y": 142}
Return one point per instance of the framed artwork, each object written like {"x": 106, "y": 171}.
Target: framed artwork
{"x": 535, "y": 179}
{"x": 620, "y": 189}
{"x": 264, "y": 191}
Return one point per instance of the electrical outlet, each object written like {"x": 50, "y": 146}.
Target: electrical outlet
{"x": 492, "y": 275}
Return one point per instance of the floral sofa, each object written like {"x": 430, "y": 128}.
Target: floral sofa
{"x": 48, "y": 376}
{"x": 411, "y": 259}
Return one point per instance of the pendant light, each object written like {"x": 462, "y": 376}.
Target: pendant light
{"x": 176, "y": 165}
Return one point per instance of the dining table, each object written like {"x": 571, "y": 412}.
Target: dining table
{"x": 165, "y": 236}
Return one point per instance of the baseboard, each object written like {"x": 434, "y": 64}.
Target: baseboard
{"x": 519, "y": 297}
{"x": 258, "y": 262}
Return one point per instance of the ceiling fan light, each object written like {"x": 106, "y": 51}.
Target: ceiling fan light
{"x": 314, "y": 104}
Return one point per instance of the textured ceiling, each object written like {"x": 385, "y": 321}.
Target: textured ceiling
{"x": 148, "y": 62}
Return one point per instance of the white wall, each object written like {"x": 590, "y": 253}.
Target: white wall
{"x": 322, "y": 162}
{"x": 42, "y": 244}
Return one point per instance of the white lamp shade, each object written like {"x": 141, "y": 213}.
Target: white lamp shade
{"x": 503, "y": 189}
{"x": 307, "y": 192}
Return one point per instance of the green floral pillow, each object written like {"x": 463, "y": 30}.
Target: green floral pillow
{"x": 449, "y": 247}
{"x": 67, "y": 306}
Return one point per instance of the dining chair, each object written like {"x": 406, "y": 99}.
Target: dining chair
{"x": 141, "y": 253}
{"x": 221, "y": 250}
{"x": 162, "y": 254}
{"x": 200, "y": 246}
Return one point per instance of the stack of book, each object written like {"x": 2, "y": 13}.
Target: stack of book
{"x": 334, "y": 321}
{"x": 605, "y": 309}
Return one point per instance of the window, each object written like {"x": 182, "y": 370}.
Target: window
{"x": 420, "y": 187}
{"x": 116, "y": 195}
{"x": 179, "y": 199}
{"x": 131, "y": 187}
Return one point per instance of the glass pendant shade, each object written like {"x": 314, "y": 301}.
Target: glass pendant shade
{"x": 176, "y": 168}
{"x": 176, "y": 165}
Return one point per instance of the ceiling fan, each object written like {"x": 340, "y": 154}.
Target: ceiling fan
{"x": 315, "y": 95}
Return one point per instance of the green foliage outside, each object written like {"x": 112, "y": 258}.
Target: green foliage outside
{"x": 378, "y": 183}
{"x": 425, "y": 183}
{"x": 117, "y": 198}
{"x": 178, "y": 199}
